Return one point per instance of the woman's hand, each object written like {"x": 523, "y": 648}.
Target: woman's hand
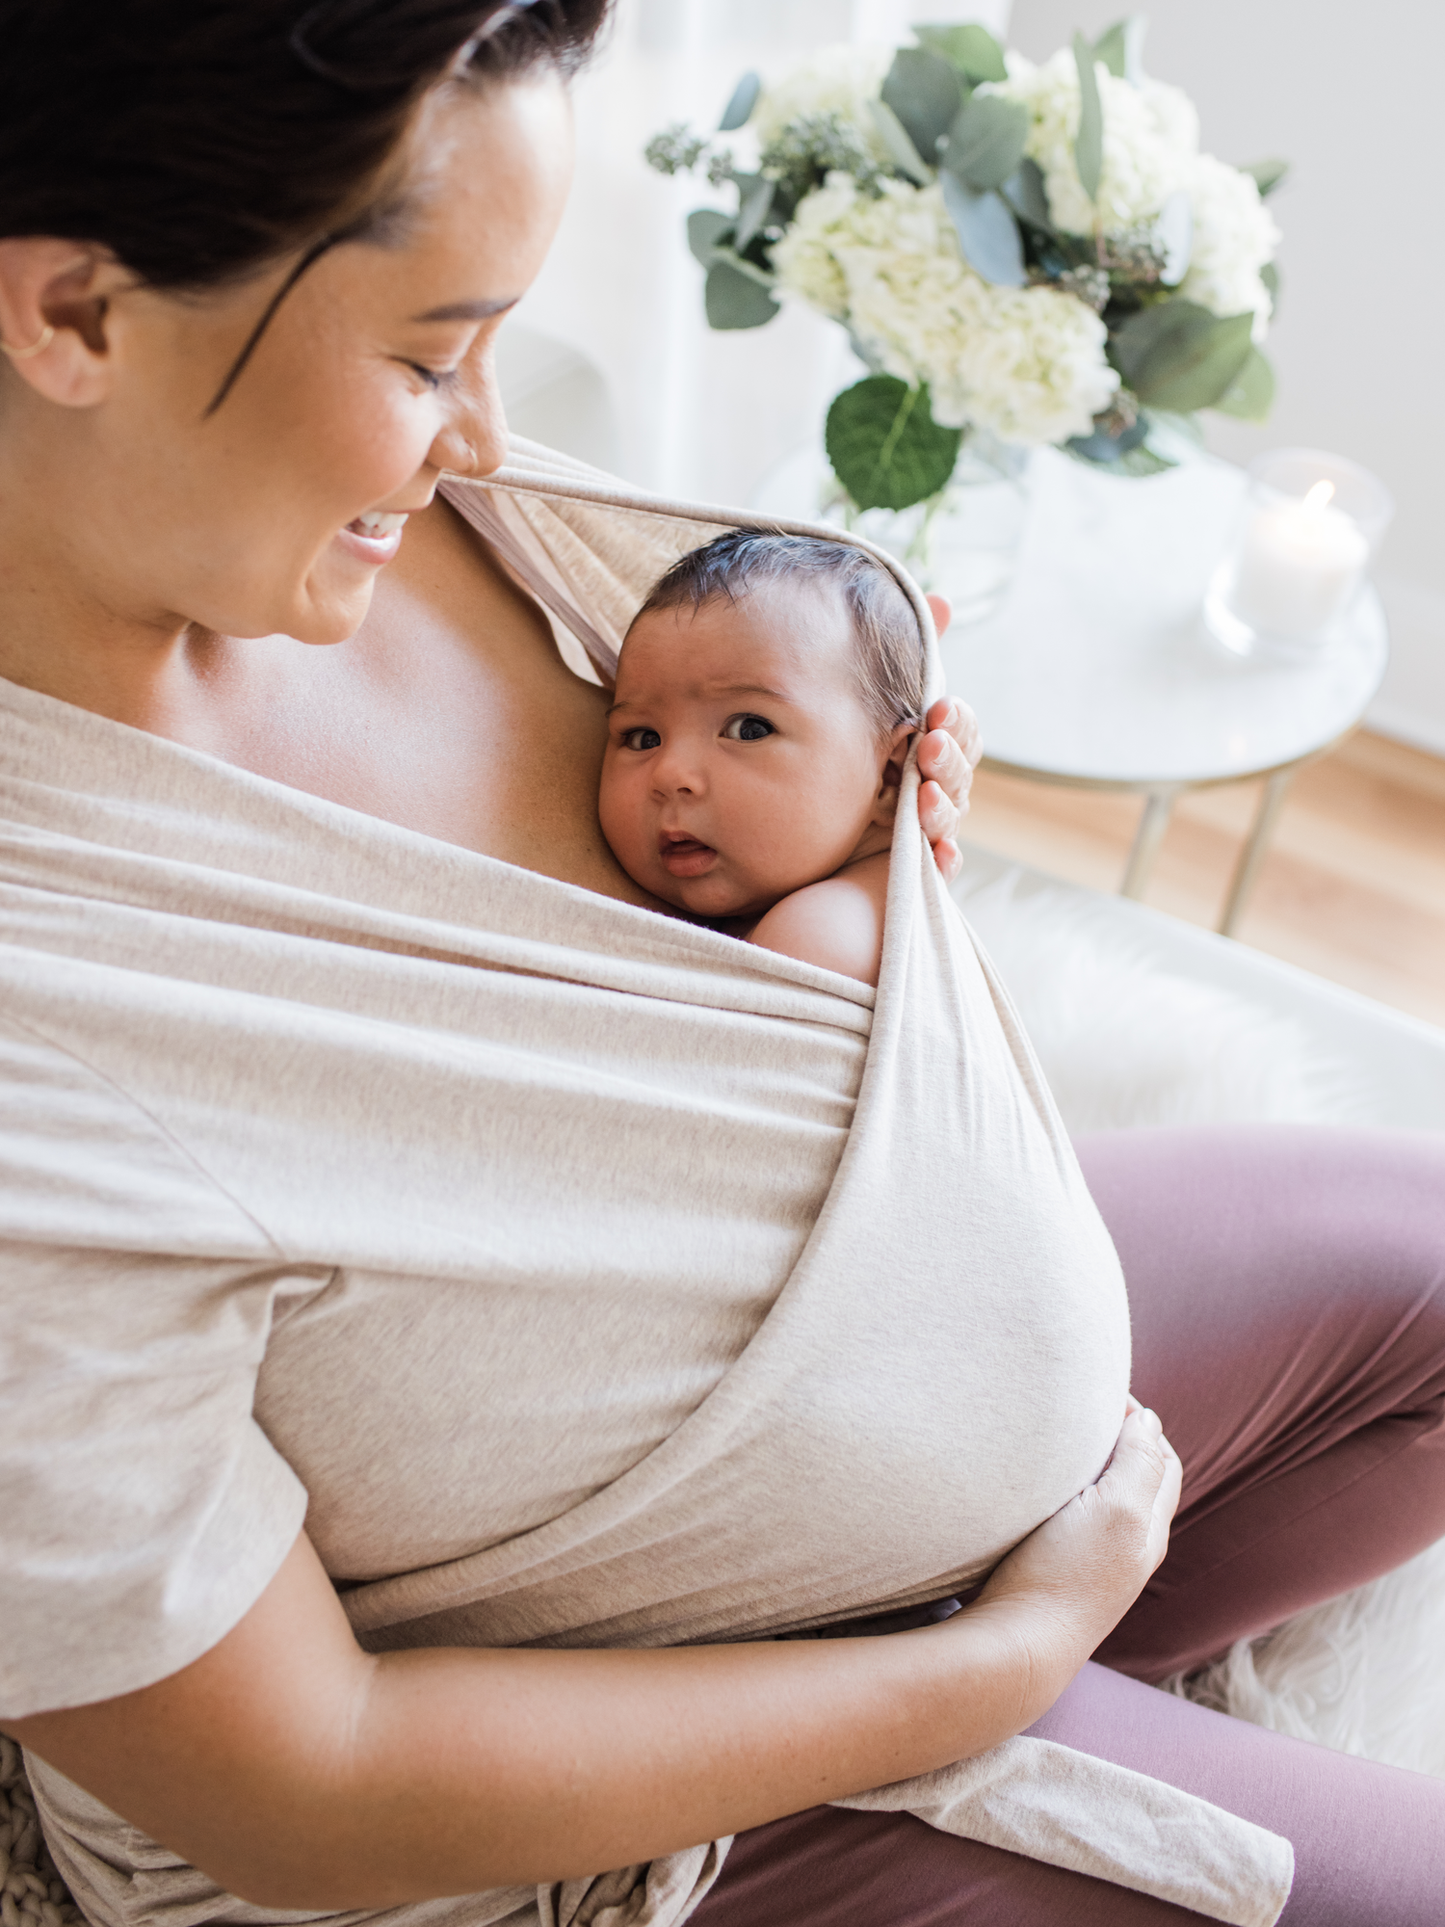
{"x": 947, "y": 757}
{"x": 1084, "y": 1568}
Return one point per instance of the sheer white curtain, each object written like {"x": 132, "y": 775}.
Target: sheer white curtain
{"x": 698, "y": 413}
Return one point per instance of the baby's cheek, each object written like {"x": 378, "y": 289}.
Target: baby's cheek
{"x": 620, "y": 814}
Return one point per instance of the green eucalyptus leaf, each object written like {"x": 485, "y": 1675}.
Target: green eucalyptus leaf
{"x": 1175, "y": 228}
{"x": 901, "y": 151}
{"x": 706, "y": 228}
{"x": 986, "y": 140}
{"x": 744, "y": 99}
{"x": 1267, "y": 175}
{"x": 971, "y": 49}
{"x": 987, "y": 232}
{"x": 885, "y": 446}
{"x": 764, "y": 277}
{"x": 1121, "y": 48}
{"x": 735, "y": 299}
{"x": 1251, "y": 394}
{"x": 1089, "y": 143}
{"x": 1026, "y": 194}
{"x": 925, "y": 92}
{"x": 1178, "y": 355}
{"x": 1269, "y": 275}
{"x": 755, "y": 201}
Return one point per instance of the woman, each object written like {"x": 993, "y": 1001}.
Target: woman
{"x": 247, "y": 299}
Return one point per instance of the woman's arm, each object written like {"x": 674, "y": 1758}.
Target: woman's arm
{"x": 300, "y": 1772}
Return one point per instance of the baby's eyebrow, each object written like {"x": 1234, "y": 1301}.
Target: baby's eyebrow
{"x": 747, "y": 689}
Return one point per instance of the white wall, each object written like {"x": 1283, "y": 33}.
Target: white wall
{"x": 1351, "y": 94}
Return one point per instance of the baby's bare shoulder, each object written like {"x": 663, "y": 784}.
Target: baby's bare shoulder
{"x": 836, "y": 924}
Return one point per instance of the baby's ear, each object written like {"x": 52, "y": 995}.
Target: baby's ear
{"x": 897, "y": 755}
{"x": 885, "y": 806}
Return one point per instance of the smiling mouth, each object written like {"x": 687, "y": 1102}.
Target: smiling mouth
{"x": 685, "y": 856}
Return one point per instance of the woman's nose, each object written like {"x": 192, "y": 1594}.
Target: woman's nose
{"x": 474, "y": 438}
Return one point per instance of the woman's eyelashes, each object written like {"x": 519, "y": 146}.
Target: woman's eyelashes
{"x": 431, "y": 377}
{"x": 747, "y": 729}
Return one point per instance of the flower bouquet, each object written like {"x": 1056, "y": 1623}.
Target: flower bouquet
{"x": 1022, "y": 255}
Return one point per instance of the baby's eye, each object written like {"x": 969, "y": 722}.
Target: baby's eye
{"x": 747, "y": 729}
{"x": 641, "y": 739}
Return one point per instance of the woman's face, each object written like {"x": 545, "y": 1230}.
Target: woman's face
{"x": 274, "y": 514}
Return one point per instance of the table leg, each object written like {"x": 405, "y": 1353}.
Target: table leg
{"x": 1150, "y": 834}
{"x": 1252, "y": 854}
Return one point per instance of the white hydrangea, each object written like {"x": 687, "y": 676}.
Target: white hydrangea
{"x": 1151, "y": 150}
{"x": 1026, "y": 363}
{"x": 1151, "y": 137}
{"x": 1234, "y": 236}
{"x": 838, "y": 80}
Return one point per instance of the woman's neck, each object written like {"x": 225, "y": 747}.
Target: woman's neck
{"x": 449, "y": 712}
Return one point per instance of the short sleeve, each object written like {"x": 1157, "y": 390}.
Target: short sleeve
{"x": 144, "y": 1510}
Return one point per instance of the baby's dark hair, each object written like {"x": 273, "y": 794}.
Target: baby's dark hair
{"x": 889, "y": 656}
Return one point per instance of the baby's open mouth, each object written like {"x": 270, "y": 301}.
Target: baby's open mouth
{"x": 685, "y": 856}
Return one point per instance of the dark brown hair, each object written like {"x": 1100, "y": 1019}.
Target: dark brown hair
{"x": 200, "y": 140}
{"x": 889, "y": 657}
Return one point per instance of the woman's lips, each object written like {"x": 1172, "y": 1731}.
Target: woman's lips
{"x": 685, "y": 856}
{"x": 373, "y": 538}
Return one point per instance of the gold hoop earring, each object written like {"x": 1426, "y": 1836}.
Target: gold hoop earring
{"x": 47, "y": 335}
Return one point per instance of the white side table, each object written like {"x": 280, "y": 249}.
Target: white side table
{"x": 1097, "y": 672}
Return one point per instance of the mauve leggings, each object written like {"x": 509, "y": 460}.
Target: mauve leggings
{"x": 1287, "y": 1288}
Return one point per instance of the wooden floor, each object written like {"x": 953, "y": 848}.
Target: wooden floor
{"x": 1353, "y": 885}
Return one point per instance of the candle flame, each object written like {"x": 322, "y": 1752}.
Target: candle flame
{"x": 1320, "y": 495}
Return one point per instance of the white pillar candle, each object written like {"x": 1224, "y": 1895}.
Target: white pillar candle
{"x": 1299, "y": 564}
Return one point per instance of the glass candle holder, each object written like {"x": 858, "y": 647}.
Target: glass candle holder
{"x": 1310, "y": 525}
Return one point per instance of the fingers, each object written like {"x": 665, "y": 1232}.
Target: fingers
{"x": 947, "y": 755}
{"x": 959, "y": 721}
{"x": 949, "y": 858}
{"x": 937, "y": 815}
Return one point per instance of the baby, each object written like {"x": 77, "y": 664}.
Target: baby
{"x": 766, "y": 694}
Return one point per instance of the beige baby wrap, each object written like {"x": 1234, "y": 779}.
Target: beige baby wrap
{"x": 581, "y": 1276}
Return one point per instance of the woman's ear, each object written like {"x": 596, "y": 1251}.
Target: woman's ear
{"x": 54, "y": 298}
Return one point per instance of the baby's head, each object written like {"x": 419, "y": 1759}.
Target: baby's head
{"x": 766, "y": 692}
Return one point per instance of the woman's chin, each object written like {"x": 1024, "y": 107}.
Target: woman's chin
{"x": 332, "y": 606}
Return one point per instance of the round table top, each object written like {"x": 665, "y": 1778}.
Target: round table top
{"x": 1097, "y": 669}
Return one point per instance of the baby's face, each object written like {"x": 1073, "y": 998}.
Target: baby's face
{"x": 740, "y": 763}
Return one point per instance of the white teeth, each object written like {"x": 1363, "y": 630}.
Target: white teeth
{"x": 373, "y": 522}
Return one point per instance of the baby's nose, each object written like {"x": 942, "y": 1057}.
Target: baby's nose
{"x": 674, "y": 773}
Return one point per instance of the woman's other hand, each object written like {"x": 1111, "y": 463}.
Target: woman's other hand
{"x": 947, "y": 757}
{"x": 1084, "y": 1568}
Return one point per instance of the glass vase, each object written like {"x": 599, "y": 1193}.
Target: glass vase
{"x": 962, "y": 543}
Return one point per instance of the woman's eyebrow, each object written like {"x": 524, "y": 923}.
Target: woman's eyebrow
{"x": 469, "y": 310}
